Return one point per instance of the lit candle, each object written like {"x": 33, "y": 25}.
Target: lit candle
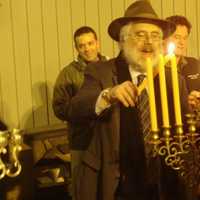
{"x": 163, "y": 92}
{"x": 175, "y": 84}
{"x": 152, "y": 104}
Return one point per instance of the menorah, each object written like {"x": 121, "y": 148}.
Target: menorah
{"x": 181, "y": 151}
{"x": 10, "y": 146}
{"x": 179, "y": 148}
{"x": 175, "y": 147}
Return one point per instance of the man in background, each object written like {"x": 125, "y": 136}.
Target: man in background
{"x": 188, "y": 67}
{"x": 68, "y": 83}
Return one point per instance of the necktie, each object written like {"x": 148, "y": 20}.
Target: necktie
{"x": 152, "y": 162}
{"x": 143, "y": 107}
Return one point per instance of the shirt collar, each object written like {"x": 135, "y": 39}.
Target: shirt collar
{"x": 134, "y": 74}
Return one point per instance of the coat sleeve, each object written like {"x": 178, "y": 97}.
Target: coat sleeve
{"x": 83, "y": 103}
{"x": 62, "y": 94}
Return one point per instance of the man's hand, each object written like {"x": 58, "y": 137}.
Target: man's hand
{"x": 194, "y": 99}
{"x": 126, "y": 93}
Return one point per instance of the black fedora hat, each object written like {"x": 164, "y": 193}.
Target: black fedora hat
{"x": 140, "y": 11}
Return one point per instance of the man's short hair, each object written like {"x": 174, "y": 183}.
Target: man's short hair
{"x": 83, "y": 30}
{"x": 180, "y": 20}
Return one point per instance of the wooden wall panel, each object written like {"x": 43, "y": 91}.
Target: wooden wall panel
{"x": 106, "y": 42}
{"x": 179, "y": 7}
{"x": 65, "y": 35}
{"x": 37, "y": 62}
{"x": 92, "y": 15}
{"x": 78, "y": 16}
{"x": 22, "y": 62}
{"x": 167, "y": 8}
{"x": 51, "y": 55}
{"x": 191, "y": 5}
{"x": 8, "y": 66}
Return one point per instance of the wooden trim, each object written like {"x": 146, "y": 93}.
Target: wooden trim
{"x": 46, "y": 132}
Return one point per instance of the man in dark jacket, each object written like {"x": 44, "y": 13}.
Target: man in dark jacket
{"x": 115, "y": 166}
{"x": 188, "y": 67}
{"x": 68, "y": 83}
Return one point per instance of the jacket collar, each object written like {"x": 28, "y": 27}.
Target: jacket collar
{"x": 83, "y": 64}
{"x": 182, "y": 62}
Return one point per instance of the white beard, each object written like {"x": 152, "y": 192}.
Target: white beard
{"x": 135, "y": 60}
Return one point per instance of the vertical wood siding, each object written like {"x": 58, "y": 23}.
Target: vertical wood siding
{"x": 36, "y": 38}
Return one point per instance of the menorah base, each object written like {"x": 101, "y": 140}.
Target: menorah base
{"x": 182, "y": 154}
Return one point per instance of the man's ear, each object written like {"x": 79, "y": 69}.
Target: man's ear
{"x": 98, "y": 44}
{"x": 75, "y": 46}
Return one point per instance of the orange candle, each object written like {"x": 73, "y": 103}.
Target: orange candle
{"x": 152, "y": 104}
{"x": 176, "y": 95}
{"x": 163, "y": 92}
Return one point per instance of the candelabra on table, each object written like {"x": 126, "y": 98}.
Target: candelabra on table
{"x": 10, "y": 146}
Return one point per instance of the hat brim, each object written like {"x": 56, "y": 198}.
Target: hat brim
{"x": 116, "y": 25}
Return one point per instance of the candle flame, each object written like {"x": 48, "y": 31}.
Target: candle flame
{"x": 171, "y": 48}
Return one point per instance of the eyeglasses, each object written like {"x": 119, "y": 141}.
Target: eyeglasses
{"x": 143, "y": 36}
{"x": 180, "y": 37}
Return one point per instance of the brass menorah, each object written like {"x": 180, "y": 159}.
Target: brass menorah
{"x": 10, "y": 146}
{"x": 181, "y": 151}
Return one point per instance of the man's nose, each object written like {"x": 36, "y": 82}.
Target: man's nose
{"x": 182, "y": 40}
{"x": 87, "y": 47}
{"x": 148, "y": 39}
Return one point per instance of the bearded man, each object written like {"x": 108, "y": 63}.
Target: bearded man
{"x": 115, "y": 166}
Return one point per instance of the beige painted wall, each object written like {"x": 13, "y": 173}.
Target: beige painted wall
{"x": 36, "y": 42}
